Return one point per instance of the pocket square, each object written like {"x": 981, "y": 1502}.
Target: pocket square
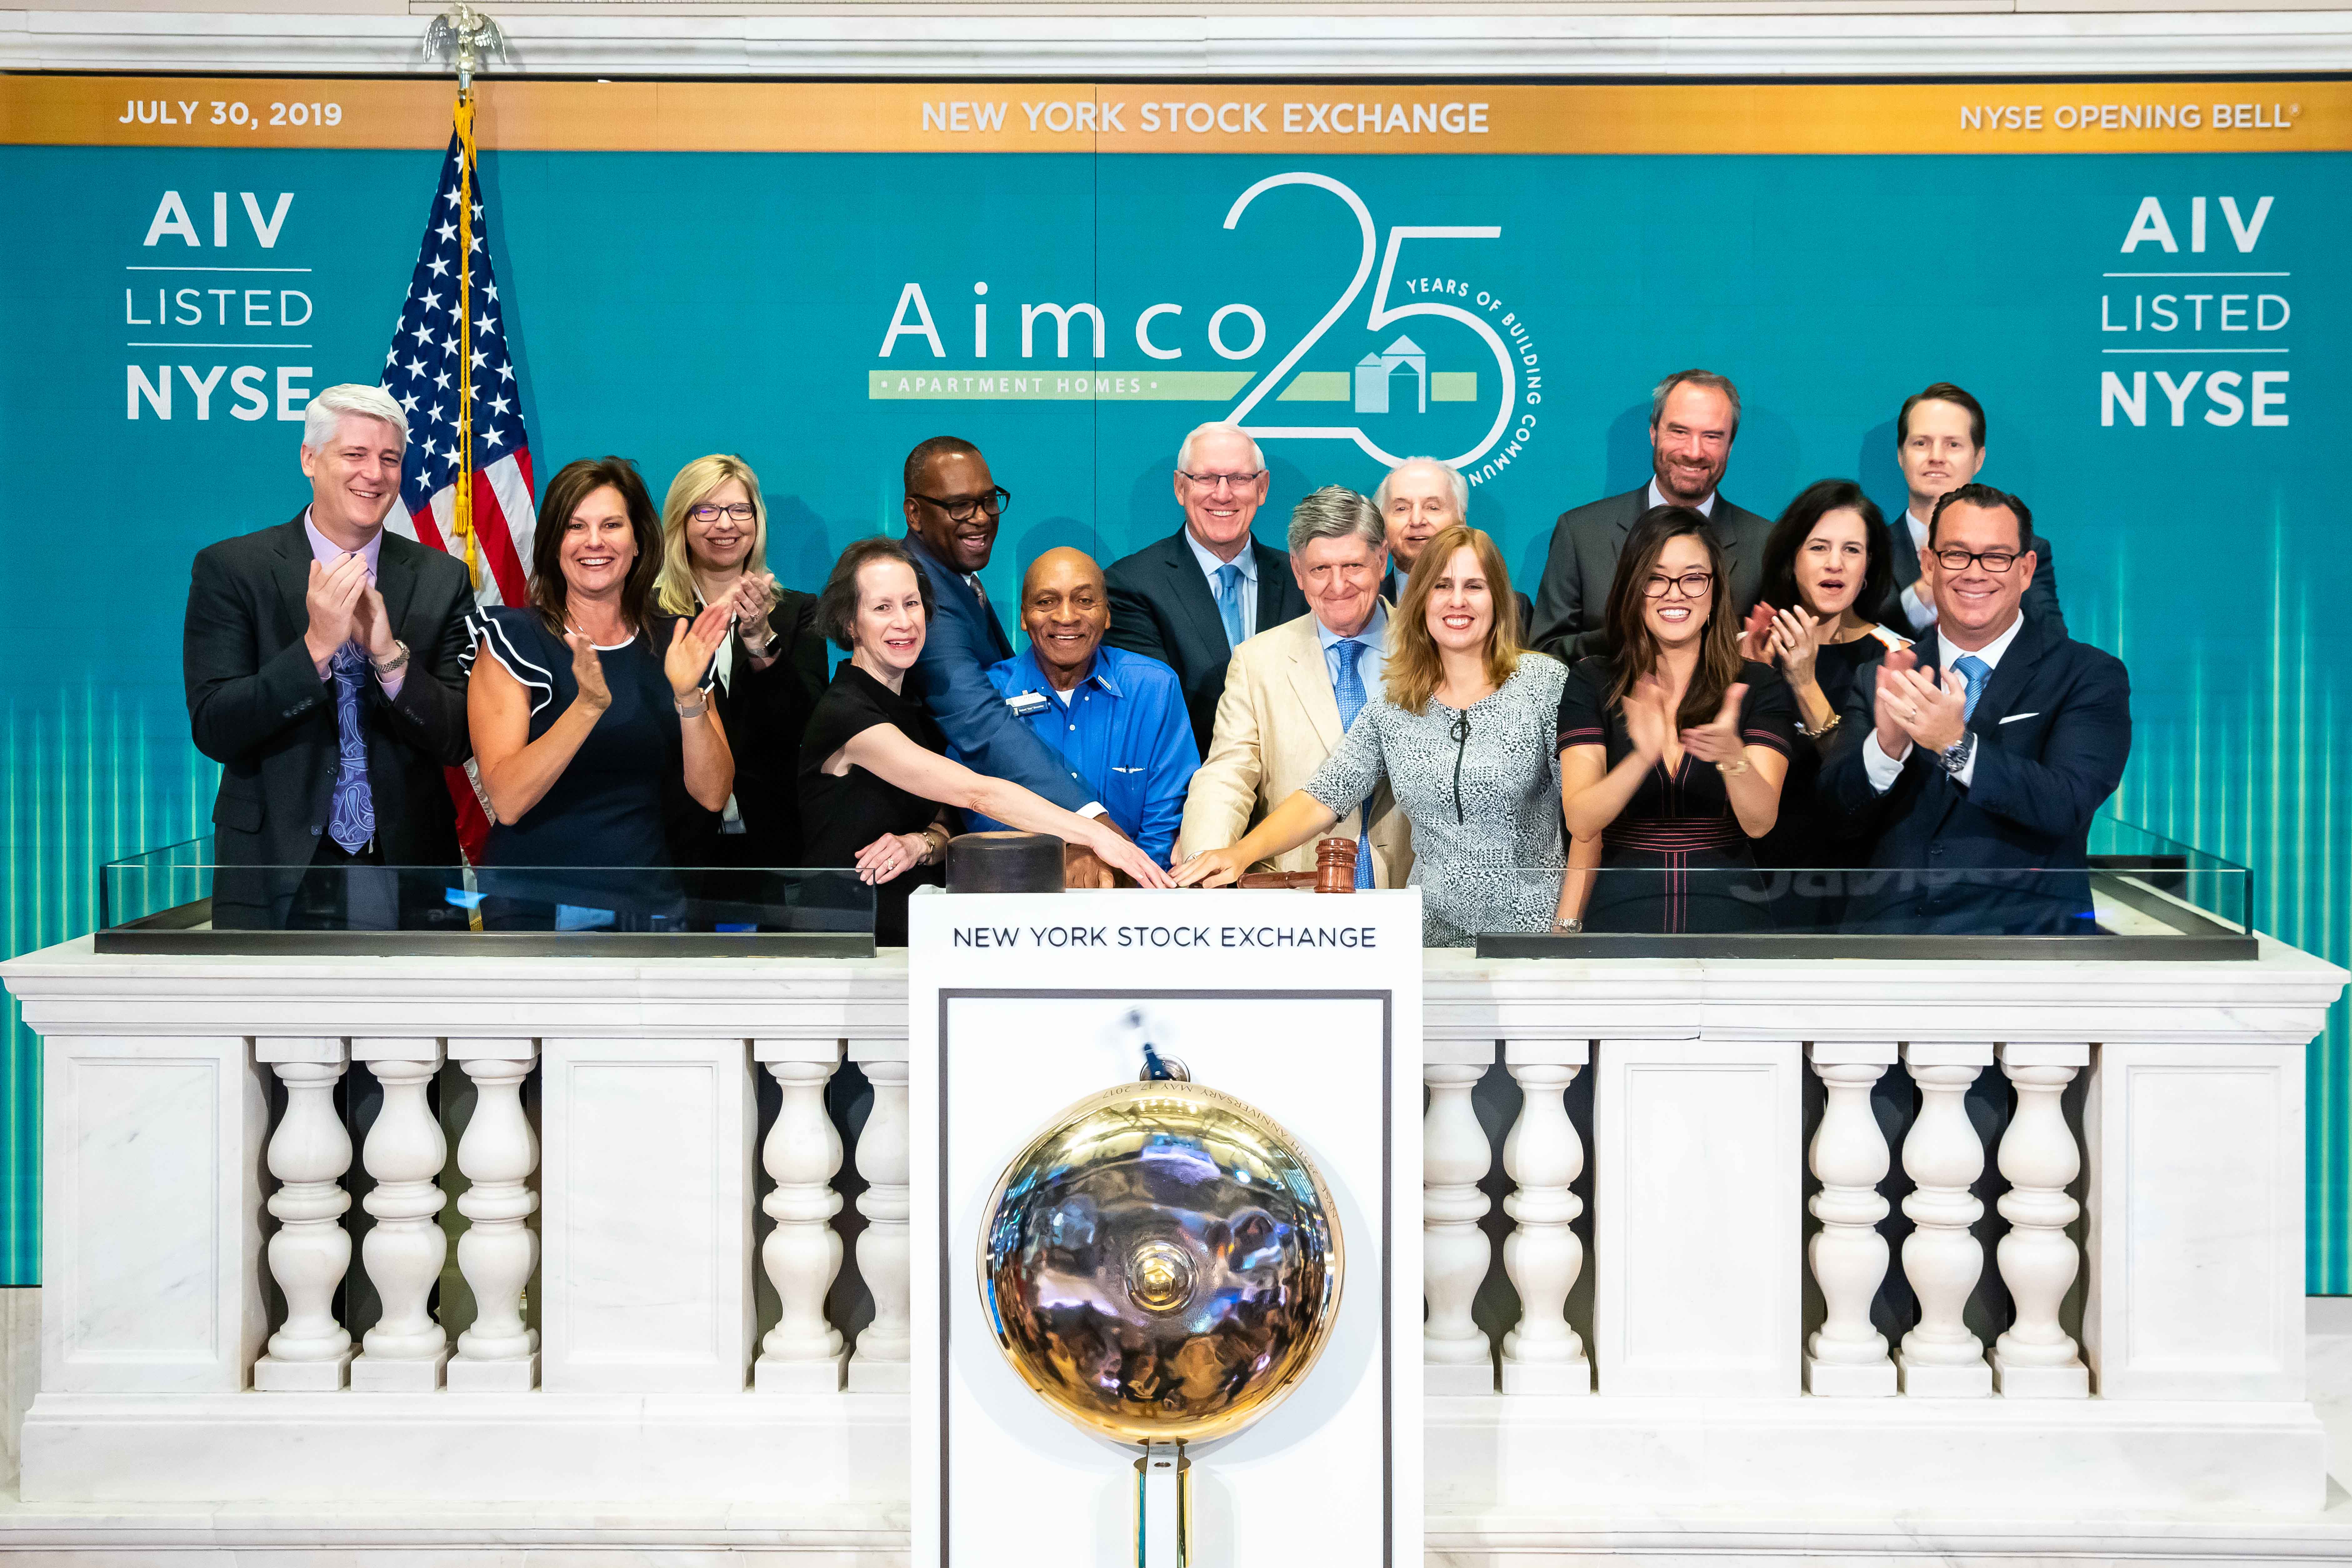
{"x": 2013, "y": 718}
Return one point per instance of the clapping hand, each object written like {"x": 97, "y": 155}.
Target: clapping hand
{"x": 1792, "y": 640}
{"x": 1755, "y": 633}
{"x": 332, "y": 600}
{"x": 1719, "y": 741}
{"x": 1649, "y": 718}
{"x": 1933, "y": 714}
{"x": 588, "y": 671}
{"x": 1890, "y": 699}
{"x": 693, "y": 647}
{"x": 753, "y": 596}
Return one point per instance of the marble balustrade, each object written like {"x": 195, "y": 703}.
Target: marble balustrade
{"x": 522, "y": 1228}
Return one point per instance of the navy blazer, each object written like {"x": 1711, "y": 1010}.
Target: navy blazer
{"x": 950, "y": 678}
{"x": 1161, "y": 606}
{"x": 2053, "y": 731}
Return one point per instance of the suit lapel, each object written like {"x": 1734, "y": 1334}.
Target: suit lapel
{"x": 1310, "y": 678}
{"x": 1191, "y": 594}
{"x": 2009, "y": 682}
{"x": 292, "y": 576}
{"x": 395, "y": 580}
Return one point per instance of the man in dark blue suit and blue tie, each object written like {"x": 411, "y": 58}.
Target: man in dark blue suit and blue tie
{"x": 953, "y": 505}
{"x": 1978, "y": 785}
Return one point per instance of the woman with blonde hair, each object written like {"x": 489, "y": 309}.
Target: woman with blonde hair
{"x": 768, "y": 674}
{"x": 1462, "y": 731}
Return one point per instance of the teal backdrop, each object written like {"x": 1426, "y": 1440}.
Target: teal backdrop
{"x": 666, "y": 305}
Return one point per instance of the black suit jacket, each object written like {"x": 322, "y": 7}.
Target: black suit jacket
{"x": 765, "y": 712}
{"x": 1161, "y": 606}
{"x": 2053, "y": 731}
{"x": 1572, "y": 601}
{"x": 2041, "y": 599}
{"x": 256, "y": 706}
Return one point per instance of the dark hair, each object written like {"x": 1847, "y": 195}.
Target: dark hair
{"x": 1707, "y": 378}
{"x": 1796, "y": 525}
{"x": 937, "y": 446}
{"x": 1635, "y": 652}
{"x": 1987, "y": 497}
{"x": 1941, "y": 392}
{"x": 836, "y": 606}
{"x": 573, "y": 484}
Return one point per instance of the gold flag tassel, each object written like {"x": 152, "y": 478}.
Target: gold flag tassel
{"x": 461, "y": 504}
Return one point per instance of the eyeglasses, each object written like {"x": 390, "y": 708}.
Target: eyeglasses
{"x": 964, "y": 509}
{"x": 1221, "y": 481}
{"x": 1690, "y": 585}
{"x": 1993, "y": 560}
{"x": 740, "y": 511}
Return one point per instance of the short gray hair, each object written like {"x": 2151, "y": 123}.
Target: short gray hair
{"x": 1706, "y": 378}
{"x": 1335, "y": 511}
{"x": 1454, "y": 480}
{"x": 333, "y": 404}
{"x": 1216, "y": 427}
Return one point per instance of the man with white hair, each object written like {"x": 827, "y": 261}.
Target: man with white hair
{"x": 1191, "y": 599}
{"x": 1417, "y": 498}
{"x": 321, "y": 662}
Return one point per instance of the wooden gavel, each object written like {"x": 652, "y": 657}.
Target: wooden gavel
{"x": 1335, "y": 871}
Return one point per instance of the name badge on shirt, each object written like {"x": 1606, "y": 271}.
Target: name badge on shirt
{"x": 1024, "y": 703}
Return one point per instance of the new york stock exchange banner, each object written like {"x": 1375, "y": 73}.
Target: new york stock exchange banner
{"x": 2144, "y": 282}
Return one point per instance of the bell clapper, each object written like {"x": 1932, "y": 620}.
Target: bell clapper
{"x": 1164, "y": 1507}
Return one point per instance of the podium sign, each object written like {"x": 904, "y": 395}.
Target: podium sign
{"x": 1306, "y": 1005}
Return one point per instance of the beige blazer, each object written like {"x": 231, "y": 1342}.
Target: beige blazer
{"x": 1276, "y": 723}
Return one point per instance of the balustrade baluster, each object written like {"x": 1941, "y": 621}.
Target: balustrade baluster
{"x": 1455, "y": 1252}
{"x": 497, "y": 1151}
{"x": 802, "y": 1254}
{"x": 1543, "y": 1156}
{"x": 406, "y": 1248}
{"x": 308, "y": 1256}
{"x": 879, "y": 1364}
{"x": 2037, "y": 1359}
{"x": 1847, "y": 1356}
{"x": 1943, "y": 1259}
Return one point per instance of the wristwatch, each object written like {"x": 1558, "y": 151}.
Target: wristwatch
{"x": 1956, "y": 756}
{"x": 1574, "y": 927}
{"x": 767, "y": 649}
{"x": 396, "y": 663}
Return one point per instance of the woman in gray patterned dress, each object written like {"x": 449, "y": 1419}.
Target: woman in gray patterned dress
{"x": 1465, "y": 733}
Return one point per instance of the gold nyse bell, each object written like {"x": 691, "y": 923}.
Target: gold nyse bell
{"x": 1162, "y": 1266}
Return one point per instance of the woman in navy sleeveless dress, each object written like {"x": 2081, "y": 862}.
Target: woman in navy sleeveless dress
{"x": 581, "y": 733}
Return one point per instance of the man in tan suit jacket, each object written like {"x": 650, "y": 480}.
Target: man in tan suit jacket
{"x": 1279, "y": 716}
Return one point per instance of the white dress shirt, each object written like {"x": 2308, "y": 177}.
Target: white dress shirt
{"x": 1884, "y": 770}
{"x": 1248, "y": 562}
{"x": 1915, "y": 605}
{"x": 1706, "y": 508}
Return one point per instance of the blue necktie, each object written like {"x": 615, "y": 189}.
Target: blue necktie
{"x": 1229, "y": 602}
{"x": 1977, "y": 673}
{"x": 1348, "y": 686}
{"x": 350, "y": 815}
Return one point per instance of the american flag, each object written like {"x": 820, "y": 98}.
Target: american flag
{"x": 422, "y": 370}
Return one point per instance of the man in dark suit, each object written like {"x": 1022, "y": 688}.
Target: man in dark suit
{"x": 1416, "y": 498}
{"x": 1940, "y": 442}
{"x": 1191, "y": 599}
{"x": 1978, "y": 787}
{"x": 1693, "y": 416}
{"x": 953, "y": 505}
{"x": 321, "y": 662}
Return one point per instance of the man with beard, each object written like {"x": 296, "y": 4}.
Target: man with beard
{"x": 1693, "y": 416}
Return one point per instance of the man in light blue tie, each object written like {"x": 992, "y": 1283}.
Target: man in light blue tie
{"x": 1292, "y": 691}
{"x": 1977, "y": 785}
{"x": 1190, "y": 600}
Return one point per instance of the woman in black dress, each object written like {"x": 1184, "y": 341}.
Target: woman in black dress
{"x": 580, "y": 726}
{"x": 1827, "y": 560}
{"x": 1671, "y": 747}
{"x": 769, "y": 669}
{"x": 876, "y": 779}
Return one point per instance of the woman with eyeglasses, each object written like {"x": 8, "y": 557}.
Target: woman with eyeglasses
{"x": 1463, "y": 732}
{"x": 1827, "y": 559}
{"x": 768, "y": 671}
{"x": 1672, "y": 747}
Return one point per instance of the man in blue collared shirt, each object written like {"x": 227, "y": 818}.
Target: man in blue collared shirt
{"x": 1118, "y": 718}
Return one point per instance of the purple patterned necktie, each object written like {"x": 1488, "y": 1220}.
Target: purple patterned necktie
{"x": 350, "y": 817}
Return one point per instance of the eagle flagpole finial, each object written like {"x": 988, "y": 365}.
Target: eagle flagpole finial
{"x": 463, "y": 36}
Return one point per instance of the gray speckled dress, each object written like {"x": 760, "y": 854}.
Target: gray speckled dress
{"x": 1483, "y": 799}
